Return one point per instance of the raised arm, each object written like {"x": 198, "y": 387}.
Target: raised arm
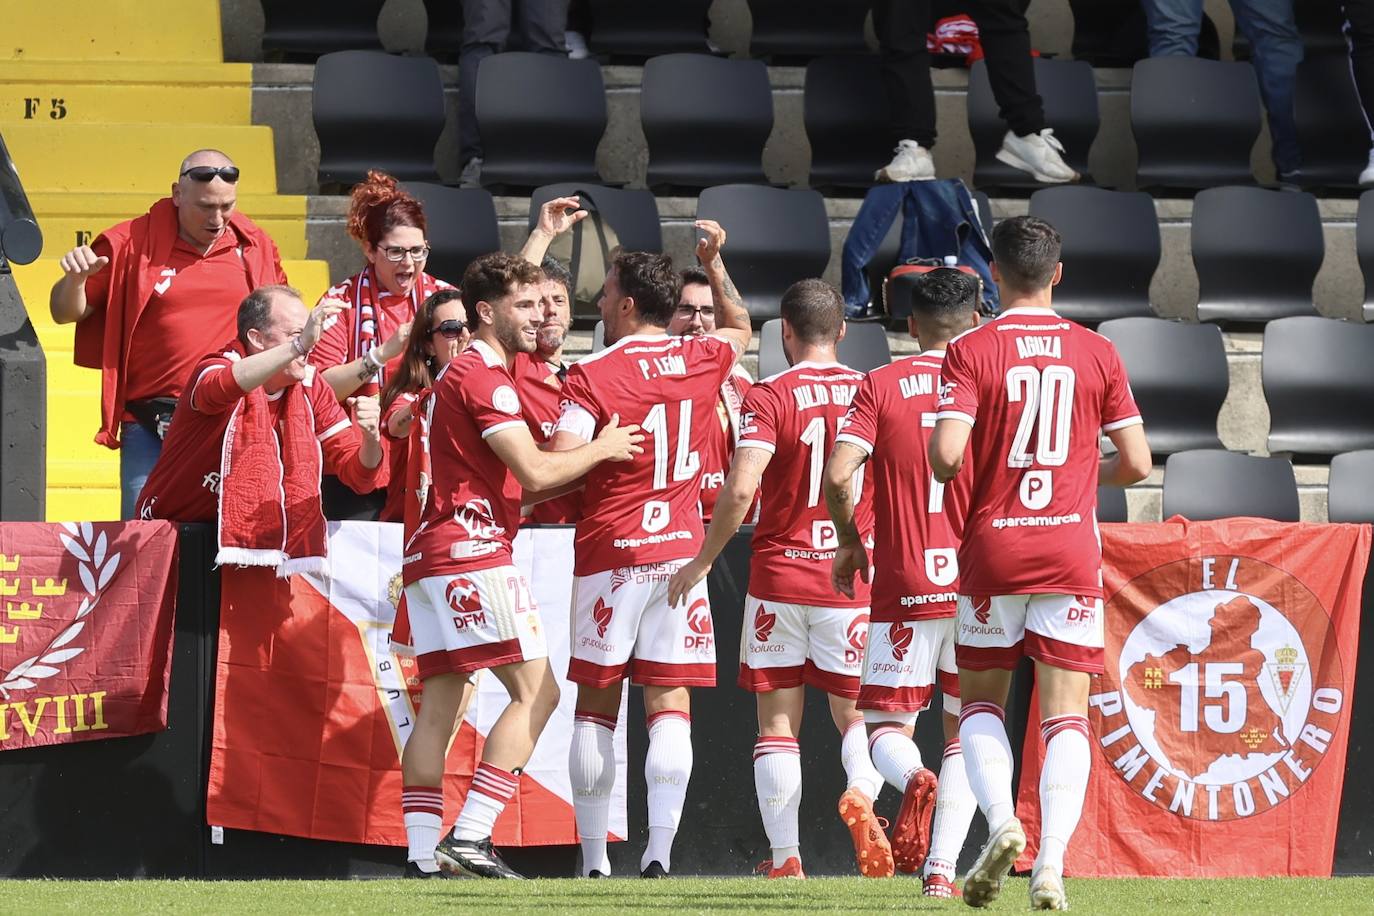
{"x": 254, "y": 371}
{"x": 347, "y": 378}
{"x": 732, "y": 315}
{"x": 554, "y": 220}
{"x": 67, "y": 301}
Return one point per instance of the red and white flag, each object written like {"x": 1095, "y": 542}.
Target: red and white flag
{"x": 1219, "y": 728}
{"x": 313, "y": 708}
{"x": 85, "y": 630}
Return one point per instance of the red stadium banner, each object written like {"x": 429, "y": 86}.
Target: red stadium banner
{"x": 85, "y": 630}
{"x": 313, "y": 707}
{"x": 1219, "y": 728}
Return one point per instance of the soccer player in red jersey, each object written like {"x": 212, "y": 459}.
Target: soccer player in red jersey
{"x": 802, "y": 632}
{"x": 915, "y": 574}
{"x": 1033, "y": 393}
{"x": 640, "y": 522}
{"x": 470, "y": 608}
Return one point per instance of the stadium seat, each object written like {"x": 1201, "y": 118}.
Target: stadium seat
{"x": 632, "y": 212}
{"x": 1069, "y": 92}
{"x": 1364, "y": 249}
{"x": 541, "y": 118}
{"x": 1318, "y": 376}
{"x": 807, "y": 28}
{"x": 637, "y": 30}
{"x": 706, "y": 120}
{"x": 1331, "y": 128}
{"x": 1213, "y": 483}
{"x": 303, "y": 30}
{"x": 1179, "y": 378}
{"x": 845, "y": 112}
{"x": 1257, "y": 253}
{"x": 1111, "y": 250}
{"x": 377, "y": 111}
{"x": 1195, "y": 122}
{"x": 1349, "y": 496}
{"x": 777, "y": 237}
{"x": 1111, "y": 504}
{"x": 864, "y": 348}
{"x": 885, "y": 259}
{"x": 462, "y": 225}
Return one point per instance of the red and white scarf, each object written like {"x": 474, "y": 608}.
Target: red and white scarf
{"x": 269, "y": 492}
{"x": 366, "y": 314}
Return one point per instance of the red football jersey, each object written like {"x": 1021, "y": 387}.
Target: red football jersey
{"x": 473, "y": 508}
{"x": 795, "y": 416}
{"x": 1039, "y": 391}
{"x": 541, "y": 395}
{"x": 720, "y": 448}
{"x": 645, "y": 510}
{"x": 916, "y": 519}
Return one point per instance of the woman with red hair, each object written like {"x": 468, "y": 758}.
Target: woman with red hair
{"x": 357, "y": 353}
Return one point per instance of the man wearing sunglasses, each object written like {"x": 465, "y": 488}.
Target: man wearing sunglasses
{"x": 148, "y": 296}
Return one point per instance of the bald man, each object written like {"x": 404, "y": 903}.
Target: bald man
{"x": 150, "y": 296}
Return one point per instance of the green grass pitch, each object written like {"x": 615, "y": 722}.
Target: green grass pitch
{"x": 744, "y": 897}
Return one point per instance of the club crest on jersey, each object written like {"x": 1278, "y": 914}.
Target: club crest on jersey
{"x": 763, "y": 623}
{"x": 505, "y": 400}
{"x": 899, "y": 637}
{"x": 601, "y": 615}
{"x": 1224, "y": 697}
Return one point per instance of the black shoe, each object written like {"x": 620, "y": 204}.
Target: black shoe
{"x": 413, "y": 870}
{"x": 594, "y": 873}
{"x": 472, "y": 857}
{"x": 654, "y": 870}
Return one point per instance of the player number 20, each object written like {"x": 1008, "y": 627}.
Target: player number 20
{"x": 686, "y": 463}
{"x": 1046, "y": 399}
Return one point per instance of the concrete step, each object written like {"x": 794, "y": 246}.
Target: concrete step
{"x": 139, "y": 92}
{"x": 123, "y": 30}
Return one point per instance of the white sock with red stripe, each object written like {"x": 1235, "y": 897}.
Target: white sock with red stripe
{"x": 667, "y": 769}
{"x": 857, "y": 765}
{"x": 423, "y": 810}
{"x": 777, "y": 781}
{"x": 988, "y": 760}
{"x": 591, "y": 766}
{"x": 1063, "y": 783}
{"x": 491, "y": 788}
{"x": 954, "y": 808}
{"x": 894, "y": 755}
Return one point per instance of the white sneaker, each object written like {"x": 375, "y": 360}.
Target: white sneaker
{"x": 1042, "y": 155}
{"x": 471, "y": 176}
{"x": 1047, "y": 890}
{"x": 576, "y": 44}
{"x": 1367, "y": 176}
{"x": 984, "y": 880}
{"x": 910, "y": 162}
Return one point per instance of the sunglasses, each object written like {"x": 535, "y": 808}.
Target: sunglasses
{"x": 229, "y": 173}
{"x": 451, "y": 329}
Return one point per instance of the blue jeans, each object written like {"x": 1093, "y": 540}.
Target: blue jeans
{"x": 1276, "y": 49}
{"x": 137, "y": 455}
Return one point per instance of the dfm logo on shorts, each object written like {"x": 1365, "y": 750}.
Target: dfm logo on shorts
{"x": 656, "y": 516}
{"x": 899, "y": 637}
{"x": 942, "y": 566}
{"x": 1082, "y": 611}
{"x": 856, "y": 635}
{"x": 462, "y": 595}
{"x": 601, "y": 615}
{"x": 763, "y": 623}
{"x": 699, "y": 622}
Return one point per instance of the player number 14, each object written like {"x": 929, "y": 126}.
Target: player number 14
{"x": 686, "y": 463}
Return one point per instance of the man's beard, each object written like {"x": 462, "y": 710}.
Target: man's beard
{"x": 513, "y": 339}
{"x": 551, "y": 338}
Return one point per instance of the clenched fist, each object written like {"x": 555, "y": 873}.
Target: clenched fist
{"x": 82, "y": 261}
{"x": 367, "y": 414}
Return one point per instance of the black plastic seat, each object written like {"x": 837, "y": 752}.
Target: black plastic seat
{"x": 1334, "y": 148}
{"x": 864, "y": 348}
{"x": 374, "y": 110}
{"x": 1318, "y": 376}
{"x": 462, "y": 226}
{"x": 1364, "y": 249}
{"x": 845, "y": 112}
{"x": 541, "y": 118}
{"x": 632, "y": 212}
{"x": 1213, "y": 483}
{"x": 885, "y": 259}
{"x": 1349, "y": 497}
{"x": 1069, "y": 92}
{"x": 1179, "y": 377}
{"x": 1111, "y": 250}
{"x": 636, "y": 29}
{"x": 794, "y": 29}
{"x": 776, "y": 237}
{"x": 1111, "y": 504}
{"x": 302, "y": 30}
{"x": 706, "y": 120}
{"x": 1257, "y": 253}
{"x": 1194, "y": 122}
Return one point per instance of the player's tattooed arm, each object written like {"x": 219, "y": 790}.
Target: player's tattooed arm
{"x": 845, "y": 461}
{"x": 732, "y": 315}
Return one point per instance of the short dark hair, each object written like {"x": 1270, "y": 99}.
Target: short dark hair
{"x": 555, "y": 271}
{"x": 649, "y": 279}
{"x": 1026, "y": 250}
{"x": 694, "y": 274}
{"x": 814, "y": 310}
{"x": 943, "y": 299}
{"x": 492, "y": 276}
{"x": 255, "y": 311}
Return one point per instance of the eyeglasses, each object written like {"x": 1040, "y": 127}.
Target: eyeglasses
{"x": 204, "y": 173}
{"x": 451, "y": 329}
{"x": 687, "y": 312}
{"x": 418, "y": 253}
